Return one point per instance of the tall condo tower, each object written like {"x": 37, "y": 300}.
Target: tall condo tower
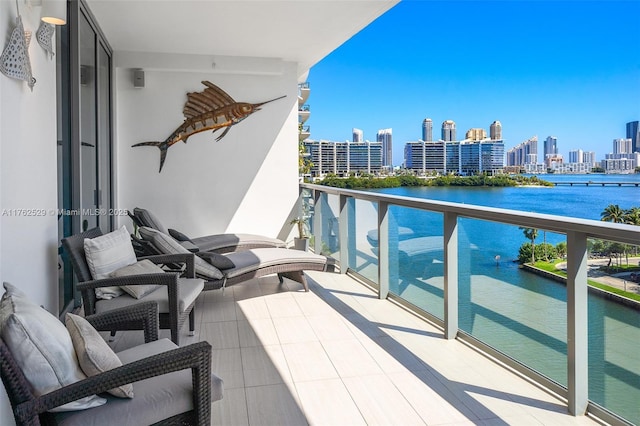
{"x": 622, "y": 146}
{"x": 448, "y": 130}
{"x": 495, "y": 131}
{"x": 427, "y": 130}
{"x": 384, "y": 136}
{"x": 358, "y": 136}
{"x": 550, "y": 146}
{"x": 633, "y": 133}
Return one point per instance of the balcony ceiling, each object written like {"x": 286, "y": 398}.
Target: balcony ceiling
{"x": 302, "y": 31}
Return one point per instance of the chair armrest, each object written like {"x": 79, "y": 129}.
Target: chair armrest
{"x": 145, "y": 313}
{"x": 196, "y": 357}
{"x": 187, "y": 258}
{"x": 166, "y": 278}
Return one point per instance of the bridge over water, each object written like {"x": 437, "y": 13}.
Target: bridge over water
{"x": 591, "y": 183}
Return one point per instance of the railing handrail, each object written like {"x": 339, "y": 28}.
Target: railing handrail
{"x": 628, "y": 234}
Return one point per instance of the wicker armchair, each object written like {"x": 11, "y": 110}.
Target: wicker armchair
{"x": 152, "y": 364}
{"x": 172, "y": 316}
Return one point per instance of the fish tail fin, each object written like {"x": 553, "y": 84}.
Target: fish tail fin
{"x": 162, "y": 146}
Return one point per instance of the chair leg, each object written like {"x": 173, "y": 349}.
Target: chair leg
{"x": 192, "y": 323}
{"x": 297, "y": 276}
{"x": 281, "y": 278}
{"x": 112, "y": 336}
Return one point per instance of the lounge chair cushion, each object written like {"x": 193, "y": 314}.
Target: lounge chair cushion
{"x": 179, "y": 235}
{"x": 141, "y": 267}
{"x": 167, "y": 245}
{"x": 188, "y": 291}
{"x": 149, "y": 219}
{"x": 220, "y": 261}
{"x": 94, "y": 355}
{"x": 251, "y": 260}
{"x": 41, "y": 346}
{"x": 234, "y": 241}
{"x": 151, "y": 395}
{"x": 106, "y": 254}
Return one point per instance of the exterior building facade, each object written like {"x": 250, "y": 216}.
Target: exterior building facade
{"x": 524, "y": 153}
{"x": 476, "y": 134}
{"x": 386, "y": 138}
{"x": 448, "y": 130}
{"x": 633, "y": 133}
{"x": 456, "y": 157}
{"x": 495, "y": 131}
{"x": 427, "y": 130}
{"x": 576, "y": 156}
{"x": 342, "y": 158}
{"x": 358, "y": 135}
{"x": 623, "y": 146}
{"x": 550, "y": 146}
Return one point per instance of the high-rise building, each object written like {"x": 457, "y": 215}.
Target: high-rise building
{"x": 448, "y": 130}
{"x": 427, "y": 130}
{"x": 623, "y": 146}
{"x": 576, "y": 156}
{"x": 589, "y": 157}
{"x": 550, "y": 146}
{"x": 495, "y": 131}
{"x": 342, "y": 158}
{"x": 523, "y": 153}
{"x": 385, "y": 136}
{"x": 358, "y": 135}
{"x": 476, "y": 134}
{"x": 633, "y": 133}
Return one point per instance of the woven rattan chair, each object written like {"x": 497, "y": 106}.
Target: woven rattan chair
{"x": 172, "y": 317}
{"x": 157, "y": 367}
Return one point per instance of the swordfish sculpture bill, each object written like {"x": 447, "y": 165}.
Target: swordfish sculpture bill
{"x": 211, "y": 109}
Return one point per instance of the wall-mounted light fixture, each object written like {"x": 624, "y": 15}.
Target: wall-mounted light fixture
{"x": 53, "y": 11}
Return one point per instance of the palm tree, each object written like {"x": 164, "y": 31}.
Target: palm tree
{"x": 632, "y": 216}
{"x": 531, "y": 234}
{"x": 613, "y": 213}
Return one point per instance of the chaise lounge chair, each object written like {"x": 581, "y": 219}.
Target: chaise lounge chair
{"x": 218, "y": 243}
{"x": 233, "y": 268}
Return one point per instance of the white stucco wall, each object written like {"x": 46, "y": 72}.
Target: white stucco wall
{"x": 247, "y": 182}
{"x": 28, "y": 170}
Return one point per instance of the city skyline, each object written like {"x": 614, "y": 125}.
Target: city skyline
{"x": 577, "y": 83}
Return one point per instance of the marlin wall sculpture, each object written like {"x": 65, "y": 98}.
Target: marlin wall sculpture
{"x": 211, "y": 109}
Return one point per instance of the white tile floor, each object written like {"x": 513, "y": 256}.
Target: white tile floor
{"x": 339, "y": 356}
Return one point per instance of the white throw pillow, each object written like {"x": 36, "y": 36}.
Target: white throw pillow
{"x": 106, "y": 254}
{"x": 94, "y": 355}
{"x": 142, "y": 267}
{"x": 42, "y": 348}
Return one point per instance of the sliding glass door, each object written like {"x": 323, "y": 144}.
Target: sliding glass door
{"x": 85, "y": 151}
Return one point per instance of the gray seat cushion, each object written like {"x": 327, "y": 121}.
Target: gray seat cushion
{"x": 219, "y": 241}
{"x": 252, "y": 260}
{"x": 189, "y": 289}
{"x": 155, "y": 399}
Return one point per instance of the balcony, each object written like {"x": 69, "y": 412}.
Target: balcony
{"x": 303, "y": 113}
{"x": 303, "y": 93}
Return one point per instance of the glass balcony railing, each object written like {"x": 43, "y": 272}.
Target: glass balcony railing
{"x": 452, "y": 263}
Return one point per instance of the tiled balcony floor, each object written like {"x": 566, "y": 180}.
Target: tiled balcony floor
{"x": 339, "y": 356}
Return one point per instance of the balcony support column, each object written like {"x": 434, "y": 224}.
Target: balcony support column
{"x": 383, "y": 249}
{"x": 346, "y": 228}
{"x": 577, "y": 323}
{"x": 317, "y": 221}
{"x": 450, "y": 275}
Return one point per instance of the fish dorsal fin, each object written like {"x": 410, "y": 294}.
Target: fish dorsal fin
{"x": 209, "y": 99}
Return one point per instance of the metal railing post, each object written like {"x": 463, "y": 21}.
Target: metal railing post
{"x": 450, "y": 275}
{"x": 344, "y": 218}
{"x": 317, "y": 221}
{"x": 577, "y": 323}
{"x": 383, "y": 249}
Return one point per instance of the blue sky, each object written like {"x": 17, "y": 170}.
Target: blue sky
{"x": 570, "y": 69}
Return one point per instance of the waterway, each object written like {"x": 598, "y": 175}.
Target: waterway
{"x": 521, "y": 314}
